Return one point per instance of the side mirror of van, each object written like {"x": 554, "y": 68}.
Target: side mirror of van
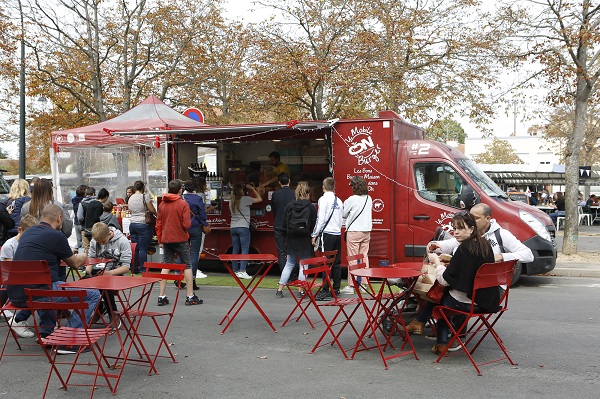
{"x": 468, "y": 197}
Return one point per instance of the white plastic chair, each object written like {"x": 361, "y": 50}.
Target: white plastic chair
{"x": 584, "y": 217}
{"x": 558, "y": 220}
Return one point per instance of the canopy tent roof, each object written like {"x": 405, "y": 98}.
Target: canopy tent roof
{"x": 151, "y": 116}
{"x": 541, "y": 174}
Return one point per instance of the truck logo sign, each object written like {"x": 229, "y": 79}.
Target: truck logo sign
{"x": 445, "y": 221}
{"x": 378, "y": 205}
{"x": 360, "y": 144}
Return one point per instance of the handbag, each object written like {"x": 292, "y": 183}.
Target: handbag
{"x": 205, "y": 229}
{"x": 436, "y": 292}
{"x": 149, "y": 217}
{"x": 361, "y": 211}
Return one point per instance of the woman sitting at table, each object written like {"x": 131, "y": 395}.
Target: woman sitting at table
{"x": 559, "y": 203}
{"x": 472, "y": 252}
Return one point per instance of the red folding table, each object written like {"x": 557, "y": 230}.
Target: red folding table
{"x": 121, "y": 284}
{"x": 378, "y": 305}
{"x": 267, "y": 261}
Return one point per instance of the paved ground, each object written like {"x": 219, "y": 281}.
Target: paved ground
{"x": 587, "y": 262}
{"x": 550, "y": 335}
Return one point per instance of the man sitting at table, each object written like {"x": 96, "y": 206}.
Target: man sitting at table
{"x": 46, "y": 242}
{"x": 109, "y": 243}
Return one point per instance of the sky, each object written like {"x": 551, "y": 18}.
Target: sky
{"x": 502, "y": 126}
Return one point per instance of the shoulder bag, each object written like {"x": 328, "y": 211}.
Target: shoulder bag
{"x": 361, "y": 211}
{"x": 150, "y": 218}
{"x": 319, "y": 237}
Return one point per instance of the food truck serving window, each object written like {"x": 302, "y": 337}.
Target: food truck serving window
{"x": 438, "y": 182}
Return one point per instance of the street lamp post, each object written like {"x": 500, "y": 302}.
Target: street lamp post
{"x": 22, "y": 101}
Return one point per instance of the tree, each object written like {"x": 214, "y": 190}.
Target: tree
{"x": 563, "y": 37}
{"x": 446, "y": 130}
{"x": 3, "y": 154}
{"x": 9, "y": 70}
{"x": 560, "y": 126}
{"x": 498, "y": 152}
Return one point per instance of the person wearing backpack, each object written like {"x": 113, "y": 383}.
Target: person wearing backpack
{"x": 301, "y": 217}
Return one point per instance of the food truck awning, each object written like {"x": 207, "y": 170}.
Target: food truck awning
{"x": 244, "y": 132}
{"x": 541, "y": 174}
{"x": 152, "y": 117}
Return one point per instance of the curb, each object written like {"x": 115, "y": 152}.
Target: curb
{"x": 574, "y": 272}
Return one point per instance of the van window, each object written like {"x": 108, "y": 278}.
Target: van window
{"x": 438, "y": 182}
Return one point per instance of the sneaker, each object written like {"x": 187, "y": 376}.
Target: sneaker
{"x": 347, "y": 290}
{"x": 454, "y": 347}
{"x": 299, "y": 294}
{"x": 324, "y": 296}
{"x": 21, "y": 328}
{"x": 243, "y": 275}
{"x": 181, "y": 287}
{"x": 8, "y": 314}
{"x": 195, "y": 287}
{"x": 72, "y": 349}
{"x": 279, "y": 294}
{"x": 199, "y": 274}
{"x": 193, "y": 300}
{"x": 162, "y": 301}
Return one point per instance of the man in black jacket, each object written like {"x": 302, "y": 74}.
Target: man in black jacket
{"x": 279, "y": 202}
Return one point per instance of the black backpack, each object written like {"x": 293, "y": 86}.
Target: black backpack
{"x": 299, "y": 221}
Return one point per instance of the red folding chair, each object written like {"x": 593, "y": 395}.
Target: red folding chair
{"x": 360, "y": 263}
{"x": 162, "y": 327}
{"x": 77, "y": 338}
{"x": 314, "y": 267}
{"x": 489, "y": 275}
{"x": 21, "y": 272}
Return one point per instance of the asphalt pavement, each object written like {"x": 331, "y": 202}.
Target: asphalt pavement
{"x": 550, "y": 330}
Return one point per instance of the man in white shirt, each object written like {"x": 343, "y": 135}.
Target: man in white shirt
{"x": 329, "y": 229}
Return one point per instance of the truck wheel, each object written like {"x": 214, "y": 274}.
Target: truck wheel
{"x": 516, "y": 274}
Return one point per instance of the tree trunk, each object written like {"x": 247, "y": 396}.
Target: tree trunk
{"x": 572, "y": 167}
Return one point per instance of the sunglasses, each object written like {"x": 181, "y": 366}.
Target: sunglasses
{"x": 462, "y": 213}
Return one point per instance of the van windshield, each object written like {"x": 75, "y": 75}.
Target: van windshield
{"x": 480, "y": 178}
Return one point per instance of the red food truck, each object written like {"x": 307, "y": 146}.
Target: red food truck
{"x": 417, "y": 185}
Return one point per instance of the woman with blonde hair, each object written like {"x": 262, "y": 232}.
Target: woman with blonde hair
{"x": 17, "y": 197}
{"x": 299, "y": 243}
{"x": 239, "y": 206}
{"x": 41, "y": 196}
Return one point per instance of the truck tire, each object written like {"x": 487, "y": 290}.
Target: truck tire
{"x": 516, "y": 274}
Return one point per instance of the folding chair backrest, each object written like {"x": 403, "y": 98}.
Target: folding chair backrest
{"x": 132, "y": 245}
{"x": 75, "y": 299}
{"x": 494, "y": 274}
{"x": 180, "y": 267}
{"x": 25, "y": 272}
{"x": 360, "y": 258}
{"x": 330, "y": 255}
{"x": 315, "y": 265}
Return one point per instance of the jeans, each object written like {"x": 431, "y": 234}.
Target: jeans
{"x": 289, "y": 266}
{"x": 78, "y": 230}
{"x": 195, "y": 244}
{"x": 141, "y": 234}
{"x": 181, "y": 248}
{"x": 554, "y": 215}
{"x": 441, "y": 326}
{"x": 240, "y": 238}
{"x": 48, "y": 317}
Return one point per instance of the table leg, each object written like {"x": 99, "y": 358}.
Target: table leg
{"x": 262, "y": 272}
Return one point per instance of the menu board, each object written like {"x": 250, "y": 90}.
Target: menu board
{"x": 515, "y": 196}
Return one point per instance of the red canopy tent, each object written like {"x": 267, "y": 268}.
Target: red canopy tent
{"x": 150, "y": 115}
